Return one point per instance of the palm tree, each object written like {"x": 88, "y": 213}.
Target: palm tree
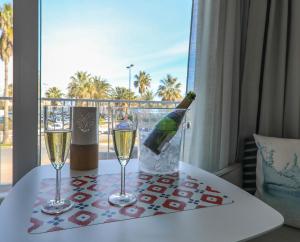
{"x": 10, "y": 90}
{"x": 10, "y": 94}
{"x": 169, "y": 89}
{"x": 6, "y": 51}
{"x": 142, "y": 82}
{"x": 54, "y": 92}
{"x": 148, "y": 96}
{"x": 100, "y": 88}
{"x": 80, "y": 85}
{"x": 122, "y": 93}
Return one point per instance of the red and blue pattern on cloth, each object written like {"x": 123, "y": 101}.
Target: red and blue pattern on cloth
{"x": 156, "y": 195}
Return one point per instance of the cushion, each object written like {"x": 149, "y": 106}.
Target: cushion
{"x": 278, "y": 176}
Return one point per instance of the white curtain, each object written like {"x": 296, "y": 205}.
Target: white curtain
{"x": 270, "y": 100}
{"x": 215, "y": 79}
{"x": 245, "y": 71}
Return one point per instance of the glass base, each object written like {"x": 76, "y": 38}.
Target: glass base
{"x": 53, "y": 207}
{"x": 122, "y": 200}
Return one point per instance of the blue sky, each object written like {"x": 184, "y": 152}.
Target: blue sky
{"x": 104, "y": 36}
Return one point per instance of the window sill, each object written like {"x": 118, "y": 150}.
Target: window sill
{"x": 232, "y": 173}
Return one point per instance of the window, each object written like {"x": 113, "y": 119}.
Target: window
{"x": 102, "y": 54}
{"x": 102, "y": 38}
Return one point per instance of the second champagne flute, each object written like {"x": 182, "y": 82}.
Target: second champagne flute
{"x": 124, "y": 124}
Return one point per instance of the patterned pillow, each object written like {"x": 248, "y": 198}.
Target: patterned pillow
{"x": 278, "y": 176}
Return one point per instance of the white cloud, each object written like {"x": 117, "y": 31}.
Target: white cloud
{"x": 178, "y": 49}
{"x": 60, "y": 61}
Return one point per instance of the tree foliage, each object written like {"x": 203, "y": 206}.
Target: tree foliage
{"x": 6, "y": 51}
{"x": 10, "y": 90}
{"x": 6, "y": 38}
{"x": 169, "y": 89}
{"x": 148, "y": 96}
{"x": 79, "y": 86}
{"x": 100, "y": 88}
{"x": 84, "y": 86}
{"x": 54, "y": 92}
{"x": 142, "y": 82}
{"x": 123, "y": 93}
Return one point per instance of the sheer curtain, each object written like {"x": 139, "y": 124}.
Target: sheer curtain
{"x": 215, "y": 78}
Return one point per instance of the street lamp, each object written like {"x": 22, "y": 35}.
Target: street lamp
{"x": 129, "y": 77}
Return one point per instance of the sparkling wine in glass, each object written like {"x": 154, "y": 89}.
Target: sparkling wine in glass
{"x": 57, "y": 132}
{"x": 124, "y": 124}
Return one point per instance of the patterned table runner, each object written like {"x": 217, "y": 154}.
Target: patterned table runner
{"x": 157, "y": 194}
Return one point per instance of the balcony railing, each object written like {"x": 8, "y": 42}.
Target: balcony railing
{"x": 106, "y": 150}
{"x": 107, "y": 102}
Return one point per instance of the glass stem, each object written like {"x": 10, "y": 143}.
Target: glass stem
{"x": 122, "y": 180}
{"x": 58, "y": 184}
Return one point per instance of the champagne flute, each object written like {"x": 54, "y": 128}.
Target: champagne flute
{"x": 57, "y": 132}
{"x": 124, "y": 124}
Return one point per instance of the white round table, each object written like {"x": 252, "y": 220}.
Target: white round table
{"x": 246, "y": 218}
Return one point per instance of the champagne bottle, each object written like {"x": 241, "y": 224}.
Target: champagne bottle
{"x": 167, "y": 127}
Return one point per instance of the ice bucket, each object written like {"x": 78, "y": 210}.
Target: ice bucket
{"x": 165, "y": 161}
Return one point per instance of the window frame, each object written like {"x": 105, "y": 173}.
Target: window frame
{"x": 26, "y": 81}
